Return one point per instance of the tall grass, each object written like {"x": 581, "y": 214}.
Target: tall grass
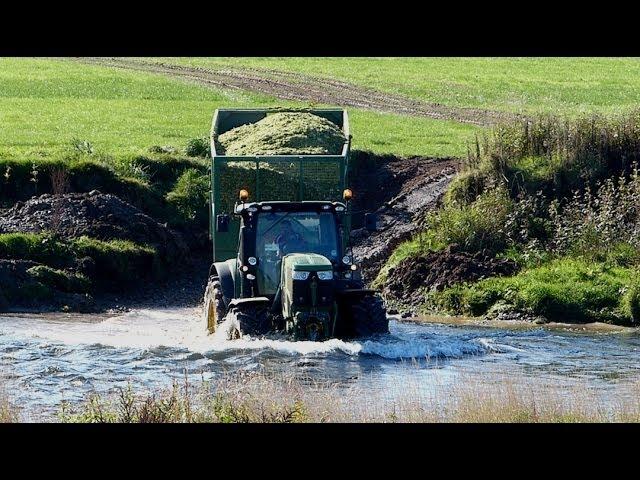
{"x": 270, "y": 398}
{"x": 8, "y": 411}
{"x": 552, "y": 154}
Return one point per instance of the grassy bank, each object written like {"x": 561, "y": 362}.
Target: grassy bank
{"x": 49, "y": 267}
{"x": 564, "y": 289}
{"x": 156, "y": 182}
{"x": 260, "y": 398}
{"x": 558, "y": 196}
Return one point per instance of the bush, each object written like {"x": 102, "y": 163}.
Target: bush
{"x": 198, "y": 147}
{"x": 631, "y": 301}
{"x": 592, "y": 224}
{"x": 473, "y": 227}
{"x": 59, "y": 279}
{"x": 552, "y": 154}
{"x": 190, "y": 196}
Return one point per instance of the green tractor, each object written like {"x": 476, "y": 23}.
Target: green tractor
{"x": 280, "y": 228}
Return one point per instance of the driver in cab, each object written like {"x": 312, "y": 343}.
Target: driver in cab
{"x": 289, "y": 241}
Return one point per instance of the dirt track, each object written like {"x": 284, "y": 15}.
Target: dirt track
{"x": 307, "y": 88}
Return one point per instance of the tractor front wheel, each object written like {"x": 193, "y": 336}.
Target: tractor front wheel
{"x": 214, "y": 307}
{"x": 248, "y": 320}
{"x": 369, "y": 316}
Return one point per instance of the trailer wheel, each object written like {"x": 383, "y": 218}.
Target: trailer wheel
{"x": 369, "y": 316}
{"x": 214, "y": 307}
{"x": 248, "y": 320}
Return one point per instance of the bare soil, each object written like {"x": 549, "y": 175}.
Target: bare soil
{"x": 307, "y": 88}
{"x": 438, "y": 270}
{"x": 94, "y": 214}
{"x": 400, "y": 191}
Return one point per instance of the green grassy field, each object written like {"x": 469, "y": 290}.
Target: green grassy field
{"x": 561, "y": 85}
{"x": 44, "y": 104}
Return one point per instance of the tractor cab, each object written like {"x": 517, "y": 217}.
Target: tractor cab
{"x": 271, "y": 231}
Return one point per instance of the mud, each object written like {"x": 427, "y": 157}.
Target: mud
{"x": 97, "y": 215}
{"x": 307, "y": 88}
{"x": 400, "y": 191}
{"x": 439, "y": 270}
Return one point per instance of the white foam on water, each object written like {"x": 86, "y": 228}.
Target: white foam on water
{"x": 184, "y": 328}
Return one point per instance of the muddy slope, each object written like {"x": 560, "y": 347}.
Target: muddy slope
{"x": 400, "y": 191}
{"x": 307, "y": 88}
{"x": 104, "y": 217}
{"x": 96, "y": 215}
{"x": 439, "y": 270}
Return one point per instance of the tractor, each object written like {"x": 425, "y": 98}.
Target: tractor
{"x": 280, "y": 227}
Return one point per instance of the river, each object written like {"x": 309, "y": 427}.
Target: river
{"x": 45, "y": 359}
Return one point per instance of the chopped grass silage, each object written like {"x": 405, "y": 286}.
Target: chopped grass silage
{"x": 283, "y": 133}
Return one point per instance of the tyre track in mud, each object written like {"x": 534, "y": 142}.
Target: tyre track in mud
{"x": 307, "y": 88}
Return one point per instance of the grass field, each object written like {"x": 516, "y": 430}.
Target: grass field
{"x": 44, "y": 104}
{"x": 561, "y": 85}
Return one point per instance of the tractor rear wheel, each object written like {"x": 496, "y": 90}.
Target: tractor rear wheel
{"x": 248, "y": 320}
{"x": 369, "y": 316}
{"x": 214, "y": 307}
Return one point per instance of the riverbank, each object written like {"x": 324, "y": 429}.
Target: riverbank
{"x": 542, "y": 224}
{"x": 594, "y": 327}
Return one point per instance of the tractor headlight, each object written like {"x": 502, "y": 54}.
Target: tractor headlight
{"x": 299, "y": 275}
{"x": 346, "y": 260}
{"x": 326, "y": 275}
{"x": 252, "y": 261}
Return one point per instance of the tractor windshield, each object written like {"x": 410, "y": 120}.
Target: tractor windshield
{"x": 281, "y": 233}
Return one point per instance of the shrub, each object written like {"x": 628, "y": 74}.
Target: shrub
{"x": 473, "y": 227}
{"x": 592, "y": 223}
{"x": 59, "y": 279}
{"x": 552, "y": 154}
{"x": 190, "y": 196}
{"x": 631, "y": 301}
{"x": 198, "y": 147}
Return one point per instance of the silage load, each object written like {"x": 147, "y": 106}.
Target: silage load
{"x": 283, "y": 133}
{"x": 278, "y": 181}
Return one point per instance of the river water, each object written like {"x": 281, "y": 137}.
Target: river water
{"x": 45, "y": 359}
